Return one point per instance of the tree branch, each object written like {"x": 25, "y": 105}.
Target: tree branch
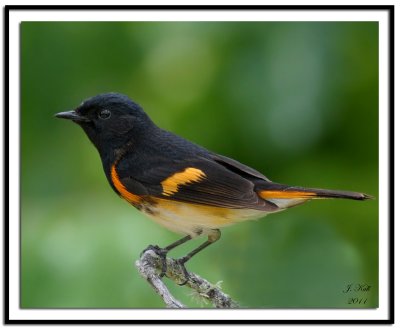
{"x": 149, "y": 266}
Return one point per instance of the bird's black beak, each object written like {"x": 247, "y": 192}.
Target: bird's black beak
{"x": 72, "y": 115}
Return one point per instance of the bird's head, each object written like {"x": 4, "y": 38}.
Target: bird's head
{"x": 110, "y": 120}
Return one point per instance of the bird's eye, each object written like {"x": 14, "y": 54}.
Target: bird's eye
{"x": 104, "y": 114}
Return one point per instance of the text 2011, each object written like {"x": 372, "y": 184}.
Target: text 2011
{"x": 357, "y": 301}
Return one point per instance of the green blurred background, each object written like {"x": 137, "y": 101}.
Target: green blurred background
{"x": 297, "y": 101}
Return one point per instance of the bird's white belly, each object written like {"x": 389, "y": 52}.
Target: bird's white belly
{"x": 194, "y": 219}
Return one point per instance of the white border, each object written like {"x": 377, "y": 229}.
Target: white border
{"x": 270, "y": 314}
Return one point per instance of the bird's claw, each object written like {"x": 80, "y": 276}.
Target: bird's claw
{"x": 162, "y": 253}
{"x": 182, "y": 262}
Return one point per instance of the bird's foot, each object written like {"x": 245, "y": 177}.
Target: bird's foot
{"x": 182, "y": 262}
{"x": 162, "y": 253}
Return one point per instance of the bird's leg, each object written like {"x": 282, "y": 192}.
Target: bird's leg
{"x": 178, "y": 243}
{"x": 212, "y": 237}
{"x": 162, "y": 252}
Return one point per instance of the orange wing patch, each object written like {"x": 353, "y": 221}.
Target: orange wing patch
{"x": 128, "y": 196}
{"x": 286, "y": 194}
{"x": 190, "y": 175}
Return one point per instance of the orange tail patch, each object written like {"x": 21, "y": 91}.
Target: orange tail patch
{"x": 286, "y": 194}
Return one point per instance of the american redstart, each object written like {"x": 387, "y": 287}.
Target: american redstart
{"x": 180, "y": 185}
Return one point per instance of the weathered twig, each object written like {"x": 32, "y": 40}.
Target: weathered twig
{"x": 149, "y": 266}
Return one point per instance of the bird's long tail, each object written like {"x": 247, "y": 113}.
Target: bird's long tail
{"x": 286, "y": 196}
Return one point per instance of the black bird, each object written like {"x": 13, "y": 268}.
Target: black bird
{"x": 180, "y": 185}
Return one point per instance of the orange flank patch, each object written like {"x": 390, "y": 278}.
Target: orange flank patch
{"x": 286, "y": 194}
{"x": 190, "y": 175}
{"x": 128, "y": 196}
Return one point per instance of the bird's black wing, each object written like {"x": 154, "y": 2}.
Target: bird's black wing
{"x": 198, "y": 180}
{"x": 237, "y": 167}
